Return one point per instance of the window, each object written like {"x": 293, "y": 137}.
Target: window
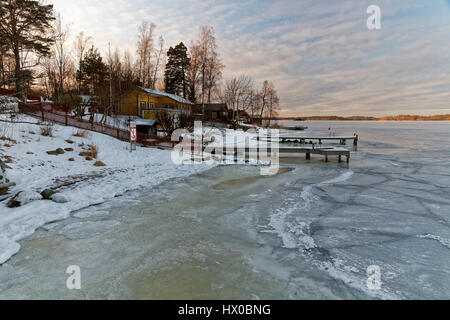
{"x": 143, "y": 105}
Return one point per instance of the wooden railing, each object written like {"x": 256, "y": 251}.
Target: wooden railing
{"x": 59, "y": 113}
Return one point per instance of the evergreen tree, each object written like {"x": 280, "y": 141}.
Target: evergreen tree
{"x": 24, "y": 26}
{"x": 177, "y": 71}
{"x": 92, "y": 71}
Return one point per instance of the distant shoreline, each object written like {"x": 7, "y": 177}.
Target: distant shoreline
{"x": 445, "y": 117}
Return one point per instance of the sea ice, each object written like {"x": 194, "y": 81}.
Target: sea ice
{"x": 88, "y": 229}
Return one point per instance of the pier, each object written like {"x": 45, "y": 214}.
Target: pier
{"x": 318, "y": 139}
{"x": 255, "y": 153}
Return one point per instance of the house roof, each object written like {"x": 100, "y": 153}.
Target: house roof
{"x": 146, "y": 122}
{"x": 164, "y": 94}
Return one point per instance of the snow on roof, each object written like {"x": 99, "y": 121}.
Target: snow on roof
{"x": 145, "y": 122}
{"x": 164, "y": 94}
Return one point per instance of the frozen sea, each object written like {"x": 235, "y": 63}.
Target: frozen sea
{"x": 230, "y": 233}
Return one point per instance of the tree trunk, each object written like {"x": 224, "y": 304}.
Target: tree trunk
{"x": 20, "y": 90}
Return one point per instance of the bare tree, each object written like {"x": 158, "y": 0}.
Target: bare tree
{"x": 57, "y": 71}
{"x": 209, "y": 63}
{"x": 158, "y": 59}
{"x": 144, "y": 52}
{"x": 61, "y": 55}
{"x": 80, "y": 45}
{"x": 194, "y": 70}
{"x": 269, "y": 101}
{"x": 238, "y": 93}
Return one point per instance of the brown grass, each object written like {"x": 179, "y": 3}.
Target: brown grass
{"x": 99, "y": 164}
{"x": 8, "y": 159}
{"x": 4, "y": 138}
{"x": 85, "y": 154}
{"x": 46, "y": 130}
{"x": 80, "y": 133}
{"x": 93, "y": 149}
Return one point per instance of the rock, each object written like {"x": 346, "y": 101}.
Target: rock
{"x": 70, "y": 141}
{"x": 13, "y": 203}
{"x": 99, "y": 164}
{"x": 47, "y": 193}
{"x": 22, "y": 198}
{"x": 71, "y": 159}
{"x": 89, "y": 159}
{"x": 68, "y": 149}
{"x": 56, "y": 152}
{"x": 85, "y": 154}
{"x": 59, "y": 198}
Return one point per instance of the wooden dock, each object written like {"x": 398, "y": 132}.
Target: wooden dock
{"x": 253, "y": 153}
{"x": 318, "y": 139}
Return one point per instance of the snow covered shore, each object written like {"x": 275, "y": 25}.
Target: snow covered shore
{"x": 82, "y": 183}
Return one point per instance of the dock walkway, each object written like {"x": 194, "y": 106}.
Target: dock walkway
{"x": 319, "y": 139}
{"x": 307, "y": 150}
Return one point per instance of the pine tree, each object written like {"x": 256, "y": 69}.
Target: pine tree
{"x": 177, "y": 71}
{"x": 24, "y": 26}
{"x": 92, "y": 71}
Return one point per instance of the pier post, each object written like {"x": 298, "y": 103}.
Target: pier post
{"x": 355, "y": 142}
{"x": 326, "y": 157}
{"x": 340, "y": 158}
{"x": 308, "y": 156}
{"x": 348, "y": 159}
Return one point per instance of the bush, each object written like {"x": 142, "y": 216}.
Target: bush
{"x": 80, "y": 133}
{"x": 91, "y": 152}
{"x": 46, "y": 130}
{"x": 93, "y": 149}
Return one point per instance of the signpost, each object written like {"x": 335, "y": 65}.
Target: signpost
{"x": 133, "y": 135}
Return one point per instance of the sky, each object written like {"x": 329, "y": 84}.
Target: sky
{"x": 320, "y": 54}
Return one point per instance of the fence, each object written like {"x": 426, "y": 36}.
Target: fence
{"x": 59, "y": 113}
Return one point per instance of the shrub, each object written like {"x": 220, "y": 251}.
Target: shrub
{"x": 93, "y": 149}
{"x": 46, "y": 130}
{"x": 80, "y": 133}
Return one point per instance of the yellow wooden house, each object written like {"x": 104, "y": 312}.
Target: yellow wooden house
{"x": 146, "y": 103}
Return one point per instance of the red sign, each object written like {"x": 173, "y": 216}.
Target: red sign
{"x": 133, "y": 131}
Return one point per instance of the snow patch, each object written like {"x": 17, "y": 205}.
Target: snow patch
{"x": 83, "y": 184}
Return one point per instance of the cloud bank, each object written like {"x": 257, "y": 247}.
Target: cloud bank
{"x": 320, "y": 54}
